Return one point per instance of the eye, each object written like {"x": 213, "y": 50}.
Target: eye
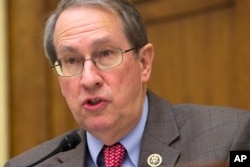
{"x": 106, "y": 53}
{"x": 72, "y": 60}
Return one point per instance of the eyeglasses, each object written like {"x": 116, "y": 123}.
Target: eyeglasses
{"x": 104, "y": 59}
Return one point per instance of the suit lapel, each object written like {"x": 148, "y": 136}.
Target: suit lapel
{"x": 160, "y": 131}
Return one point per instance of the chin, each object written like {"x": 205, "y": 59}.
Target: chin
{"x": 100, "y": 125}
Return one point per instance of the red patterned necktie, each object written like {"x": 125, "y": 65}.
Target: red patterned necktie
{"x": 114, "y": 155}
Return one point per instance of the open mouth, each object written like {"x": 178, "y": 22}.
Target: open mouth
{"x": 94, "y": 104}
{"x": 94, "y": 101}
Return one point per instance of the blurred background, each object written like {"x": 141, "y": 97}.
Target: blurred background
{"x": 202, "y": 56}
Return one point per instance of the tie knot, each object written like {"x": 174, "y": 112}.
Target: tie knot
{"x": 114, "y": 155}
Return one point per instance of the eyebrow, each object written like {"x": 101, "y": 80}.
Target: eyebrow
{"x": 95, "y": 43}
{"x": 101, "y": 41}
{"x": 65, "y": 49}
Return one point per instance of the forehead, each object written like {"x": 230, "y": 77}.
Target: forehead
{"x": 89, "y": 11}
{"x": 86, "y": 18}
{"x": 88, "y": 24}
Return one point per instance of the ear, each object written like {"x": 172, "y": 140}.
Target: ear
{"x": 146, "y": 56}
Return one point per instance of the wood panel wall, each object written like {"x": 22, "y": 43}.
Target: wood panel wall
{"x": 201, "y": 51}
{"x": 202, "y": 56}
{"x": 37, "y": 110}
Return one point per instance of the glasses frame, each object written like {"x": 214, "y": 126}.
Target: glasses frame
{"x": 58, "y": 64}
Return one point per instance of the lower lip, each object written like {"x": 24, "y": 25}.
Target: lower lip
{"x": 95, "y": 107}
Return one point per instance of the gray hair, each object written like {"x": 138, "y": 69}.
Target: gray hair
{"x": 133, "y": 25}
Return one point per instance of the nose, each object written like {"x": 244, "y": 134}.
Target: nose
{"x": 91, "y": 78}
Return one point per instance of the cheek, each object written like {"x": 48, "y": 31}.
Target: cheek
{"x": 128, "y": 79}
{"x": 68, "y": 87}
{"x": 70, "y": 91}
{"x": 132, "y": 74}
{"x": 64, "y": 88}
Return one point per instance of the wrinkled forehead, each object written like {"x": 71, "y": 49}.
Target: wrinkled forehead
{"x": 88, "y": 24}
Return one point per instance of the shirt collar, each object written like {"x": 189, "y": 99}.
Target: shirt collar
{"x": 131, "y": 141}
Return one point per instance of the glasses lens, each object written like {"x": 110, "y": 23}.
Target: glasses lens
{"x": 69, "y": 66}
{"x": 108, "y": 58}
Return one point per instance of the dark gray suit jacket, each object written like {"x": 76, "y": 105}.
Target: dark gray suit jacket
{"x": 179, "y": 133}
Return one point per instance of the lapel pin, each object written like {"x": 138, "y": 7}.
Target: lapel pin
{"x": 154, "y": 160}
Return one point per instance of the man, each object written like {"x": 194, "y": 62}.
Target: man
{"x": 100, "y": 51}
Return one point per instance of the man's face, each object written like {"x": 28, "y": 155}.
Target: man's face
{"x": 107, "y": 103}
